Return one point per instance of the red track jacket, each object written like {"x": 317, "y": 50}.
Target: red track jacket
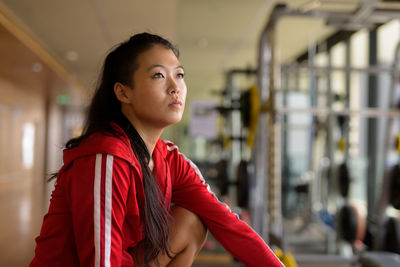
{"x": 94, "y": 211}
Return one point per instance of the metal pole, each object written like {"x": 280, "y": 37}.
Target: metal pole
{"x": 347, "y": 99}
{"x": 285, "y": 157}
{"x": 269, "y": 175}
{"x": 330, "y": 153}
{"x": 368, "y": 112}
{"x": 371, "y": 145}
{"x": 372, "y": 69}
{"x": 260, "y": 217}
{"x": 263, "y": 152}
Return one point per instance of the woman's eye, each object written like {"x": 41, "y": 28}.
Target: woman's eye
{"x": 180, "y": 75}
{"x": 157, "y": 75}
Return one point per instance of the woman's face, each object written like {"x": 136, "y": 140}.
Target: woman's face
{"x": 159, "y": 90}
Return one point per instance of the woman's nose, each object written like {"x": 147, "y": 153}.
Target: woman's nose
{"x": 174, "y": 87}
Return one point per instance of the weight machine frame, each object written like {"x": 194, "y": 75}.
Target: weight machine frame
{"x": 266, "y": 198}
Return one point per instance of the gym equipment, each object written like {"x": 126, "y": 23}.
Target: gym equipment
{"x": 391, "y": 241}
{"x": 343, "y": 173}
{"x": 379, "y": 259}
{"x": 394, "y": 187}
{"x": 249, "y": 110}
{"x": 222, "y": 177}
{"x": 239, "y": 114}
{"x": 286, "y": 258}
{"x": 245, "y": 108}
{"x": 266, "y": 208}
{"x": 327, "y": 218}
{"x": 242, "y": 181}
{"x": 344, "y": 180}
{"x": 351, "y": 224}
{"x": 249, "y": 106}
{"x": 343, "y": 126}
{"x": 389, "y": 181}
{"x": 347, "y": 223}
{"x": 243, "y": 184}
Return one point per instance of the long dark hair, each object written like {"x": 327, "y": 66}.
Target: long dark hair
{"x": 119, "y": 66}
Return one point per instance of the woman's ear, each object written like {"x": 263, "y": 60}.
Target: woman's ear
{"x": 121, "y": 93}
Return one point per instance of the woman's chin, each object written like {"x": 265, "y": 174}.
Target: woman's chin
{"x": 175, "y": 121}
{"x": 171, "y": 121}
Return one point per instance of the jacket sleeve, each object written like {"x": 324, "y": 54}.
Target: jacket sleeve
{"x": 98, "y": 190}
{"x": 191, "y": 192}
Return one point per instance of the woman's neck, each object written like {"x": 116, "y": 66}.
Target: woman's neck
{"x": 150, "y": 137}
{"x": 148, "y": 133}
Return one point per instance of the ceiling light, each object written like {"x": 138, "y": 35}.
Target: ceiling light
{"x": 37, "y": 67}
{"x": 72, "y": 55}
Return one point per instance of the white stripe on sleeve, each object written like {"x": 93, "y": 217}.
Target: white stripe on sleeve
{"x": 97, "y": 221}
{"x": 107, "y": 211}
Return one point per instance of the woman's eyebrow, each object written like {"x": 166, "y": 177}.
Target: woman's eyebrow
{"x": 162, "y": 66}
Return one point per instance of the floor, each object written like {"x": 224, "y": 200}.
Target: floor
{"x": 22, "y": 206}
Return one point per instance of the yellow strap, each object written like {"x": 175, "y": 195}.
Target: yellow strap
{"x": 398, "y": 143}
{"x": 288, "y": 260}
{"x": 342, "y": 144}
{"x": 279, "y": 253}
{"x": 226, "y": 142}
{"x": 254, "y": 113}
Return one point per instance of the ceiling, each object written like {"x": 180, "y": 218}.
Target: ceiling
{"x": 212, "y": 35}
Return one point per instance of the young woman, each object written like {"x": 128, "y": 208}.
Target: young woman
{"x": 126, "y": 198}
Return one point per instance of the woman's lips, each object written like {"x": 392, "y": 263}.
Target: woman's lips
{"x": 176, "y": 104}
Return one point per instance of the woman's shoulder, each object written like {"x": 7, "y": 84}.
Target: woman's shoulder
{"x": 167, "y": 147}
{"x": 170, "y": 150}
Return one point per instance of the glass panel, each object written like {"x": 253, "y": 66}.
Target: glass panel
{"x": 338, "y": 54}
{"x": 359, "y": 49}
{"x": 388, "y": 36}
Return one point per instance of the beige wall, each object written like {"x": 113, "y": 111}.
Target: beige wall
{"x": 19, "y": 106}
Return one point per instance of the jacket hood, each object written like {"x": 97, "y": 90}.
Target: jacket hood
{"x": 103, "y": 143}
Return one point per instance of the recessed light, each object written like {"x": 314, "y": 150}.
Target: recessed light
{"x": 72, "y": 55}
{"x": 37, "y": 67}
